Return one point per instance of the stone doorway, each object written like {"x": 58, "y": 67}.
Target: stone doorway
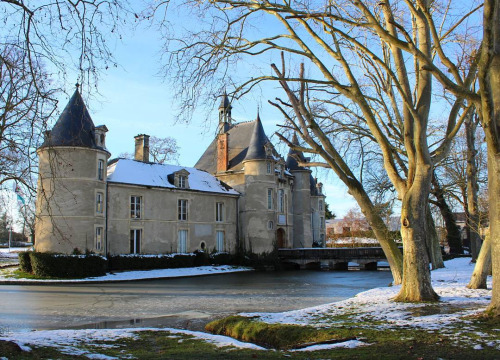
{"x": 280, "y": 236}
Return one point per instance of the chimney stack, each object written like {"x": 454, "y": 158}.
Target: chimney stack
{"x": 222, "y": 153}
{"x": 142, "y": 148}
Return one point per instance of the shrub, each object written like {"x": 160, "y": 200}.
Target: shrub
{"x": 148, "y": 262}
{"x": 67, "y": 266}
{"x": 25, "y": 262}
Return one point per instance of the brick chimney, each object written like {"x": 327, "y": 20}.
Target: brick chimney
{"x": 222, "y": 153}
{"x": 142, "y": 148}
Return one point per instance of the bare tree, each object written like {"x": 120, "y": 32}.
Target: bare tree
{"x": 41, "y": 43}
{"x": 356, "y": 51}
{"x": 489, "y": 103}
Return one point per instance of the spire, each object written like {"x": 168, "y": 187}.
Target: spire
{"x": 257, "y": 146}
{"x": 291, "y": 161}
{"x": 224, "y": 114}
{"x": 74, "y": 127}
{"x": 225, "y": 103}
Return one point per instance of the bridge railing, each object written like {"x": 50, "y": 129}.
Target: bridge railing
{"x": 332, "y": 253}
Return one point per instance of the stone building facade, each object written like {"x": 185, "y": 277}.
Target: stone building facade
{"x": 241, "y": 194}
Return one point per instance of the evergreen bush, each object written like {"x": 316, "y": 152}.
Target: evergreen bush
{"x": 67, "y": 266}
{"x": 148, "y": 262}
{"x": 25, "y": 262}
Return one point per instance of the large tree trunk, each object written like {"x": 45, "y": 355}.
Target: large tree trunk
{"x": 489, "y": 82}
{"x": 433, "y": 247}
{"x": 416, "y": 274}
{"x": 482, "y": 268}
{"x": 452, "y": 231}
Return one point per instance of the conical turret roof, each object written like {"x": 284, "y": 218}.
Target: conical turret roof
{"x": 256, "y": 147}
{"x": 291, "y": 161}
{"x": 225, "y": 103}
{"x": 74, "y": 127}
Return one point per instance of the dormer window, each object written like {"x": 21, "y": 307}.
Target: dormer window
{"x": 181, "y": 179}
{"x": 100, "y": 135}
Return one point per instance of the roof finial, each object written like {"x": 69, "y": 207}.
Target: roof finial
{"x": 77, "y": 85}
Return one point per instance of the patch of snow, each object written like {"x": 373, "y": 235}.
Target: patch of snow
{"x": 68, "y": 341}
{"x": 350, "y": 344}
{"x": 141, "y": 275}
{"x": 126, "y": 171}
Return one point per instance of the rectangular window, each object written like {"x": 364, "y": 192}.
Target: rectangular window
{"x": 99, "y": 203}
{"x": 281, "y": 200}
{"x": 219, "y": 212}
{"x": 269, "y": 167}
{"x": 219, "y": 246}
{"x": 321, "y": 205}
{"x": 135, "y": 207}
{"x": 270, "y": 199}
{"x": 98, "y": 238}
{"x": 182, "y": 209}
{"x": 322, "y": 222}
{"x": 100, "y": 169}
{"x": 135, "y": 241}
{"x": 182, "y": 246}
{"x": 182, "y": 181}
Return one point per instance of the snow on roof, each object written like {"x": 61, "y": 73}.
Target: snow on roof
{"x": 134, "y": 172}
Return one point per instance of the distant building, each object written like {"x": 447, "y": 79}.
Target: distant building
{"x": 241, "y": 194}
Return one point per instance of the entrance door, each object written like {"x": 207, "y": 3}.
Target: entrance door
{"x": 182, "y": 246}
{"x": 280, "y": 235}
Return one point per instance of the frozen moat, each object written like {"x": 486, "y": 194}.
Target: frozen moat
{"x": 187, "y": 303}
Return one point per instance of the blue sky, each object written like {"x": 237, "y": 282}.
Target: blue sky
{"x": 133, "y": 99}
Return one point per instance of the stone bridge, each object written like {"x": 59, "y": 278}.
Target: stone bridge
{"x": 333, "y": 258}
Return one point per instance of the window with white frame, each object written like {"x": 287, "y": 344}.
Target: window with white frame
{"x": 269, "y": 167}
{"x": 182, "y": 181}
{"x": 219, "y": 245}
{"x": 281, "y": 200}
{"x": 219, "y": 211}
{"x": 182, "y": 209}
{"x": 270, "y": 225}
{"x": 100, "y": 169}
{"x": 135, "y": 207}
{"x": 182, "y": 241}
{"x": 135, "y": 241}
{"x": 270, "y": 199}
{"x": 98, "y": 237}
{"x": 99, "y": 202}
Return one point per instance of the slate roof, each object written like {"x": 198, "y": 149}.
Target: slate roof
{"x": 74, "y": 127}
{"x": 291, "y": 161}
{"x": 239, "y": 139}
{"x": 126, "y": 171}
{"x": 256, "y": 147}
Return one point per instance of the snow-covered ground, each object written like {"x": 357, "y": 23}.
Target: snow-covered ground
{"x": 69, "y": 341}
{"x": 134, "y": 275}
{"x": 12, "y": 252}
{"x": 449, "y": 316}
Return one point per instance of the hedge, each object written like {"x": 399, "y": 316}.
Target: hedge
{"x": 67, "y": 266}
{"x": 25, "y": 262}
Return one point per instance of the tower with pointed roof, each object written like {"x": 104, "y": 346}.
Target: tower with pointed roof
{"x": 72, "y": 183}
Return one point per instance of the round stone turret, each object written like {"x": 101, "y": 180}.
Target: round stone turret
{"x": 71, "y": 193}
